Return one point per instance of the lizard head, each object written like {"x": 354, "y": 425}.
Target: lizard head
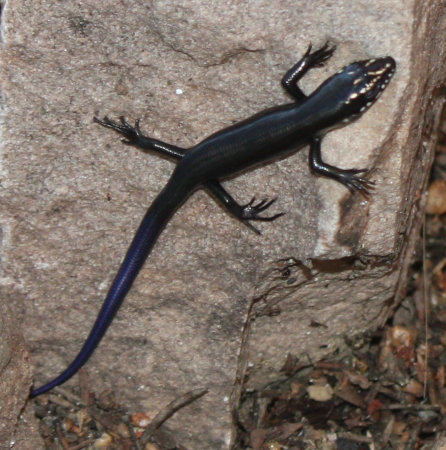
{"x": 360, "y": 84}
{"x": 352, "y": 90}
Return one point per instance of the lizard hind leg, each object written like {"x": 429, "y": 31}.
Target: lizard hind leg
{"x": 245, "y": 212}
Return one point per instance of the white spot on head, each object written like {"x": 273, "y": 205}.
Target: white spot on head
{"x": 178, "y": 91}
{"x": 377, "y": 72}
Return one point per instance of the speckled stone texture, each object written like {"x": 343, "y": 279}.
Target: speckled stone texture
{"x": 213, "y": 298}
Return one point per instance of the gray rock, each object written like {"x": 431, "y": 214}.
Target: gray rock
{"x": 212, "y": 299}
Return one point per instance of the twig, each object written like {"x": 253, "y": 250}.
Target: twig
{"x": 170, "y": 410}
{"x": 133, "y": 436}
{"x": 426, "y": 309}
{"x": 355, "y": 437}
{"x": 411, "y": 444}
{"x": 415, "y": 407}
{"x": 82, "y": 444}
{"x": 72, "y": 398}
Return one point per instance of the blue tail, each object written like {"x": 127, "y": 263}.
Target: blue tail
{"x": 165, "y": 204}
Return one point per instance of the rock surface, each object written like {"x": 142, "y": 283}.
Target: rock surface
{"x": 213, "y": 298}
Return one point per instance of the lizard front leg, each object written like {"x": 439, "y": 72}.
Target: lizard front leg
{"x": 133, "y": 136}
{"x": 308, "y": 61}
{"x": 345, "y": 176}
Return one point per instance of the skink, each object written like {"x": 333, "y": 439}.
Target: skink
{"x": 271, "y": 134}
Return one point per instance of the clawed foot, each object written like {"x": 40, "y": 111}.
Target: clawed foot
{"x": 251, "y": 211}
{"x": 132, "y": 134}
{"x": 349, "y": 179}
{"x": 317, "y": 58}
